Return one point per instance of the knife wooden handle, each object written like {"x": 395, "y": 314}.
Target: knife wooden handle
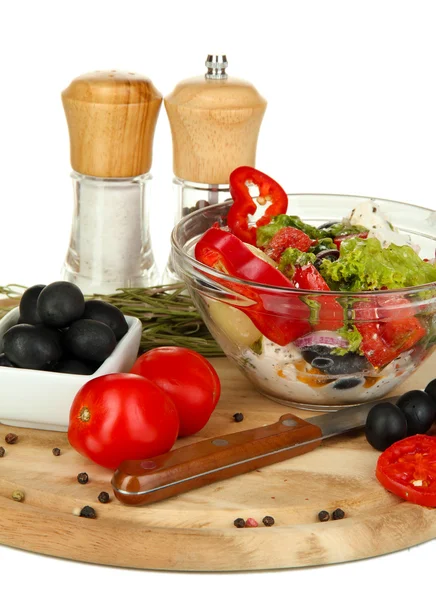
{"x": 145, "y": 481}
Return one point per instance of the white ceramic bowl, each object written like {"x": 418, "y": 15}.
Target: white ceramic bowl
{"x": 42, "y": 399}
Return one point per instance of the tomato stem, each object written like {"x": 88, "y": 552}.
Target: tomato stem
{"x": 84, "y": 414}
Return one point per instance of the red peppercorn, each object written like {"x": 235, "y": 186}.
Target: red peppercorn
{"x": 251, "y": 522}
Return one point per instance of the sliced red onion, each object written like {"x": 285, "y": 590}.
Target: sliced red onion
{"x": 322, "y": 338}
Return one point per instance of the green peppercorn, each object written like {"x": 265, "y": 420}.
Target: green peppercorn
{"x": 338, "y": 514}
{"x": 82, "y": 478}
{"x": 239, "y": 523}
{"x": 88, "y": 512}
{"x": 103, "y": 497}
{"x": 323, "y": 516}
{"x": 238, "y": 417}
{"x": 18, "y": 495}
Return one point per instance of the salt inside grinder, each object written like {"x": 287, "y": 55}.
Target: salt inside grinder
{"x": 111, "y": 117}
{"x": 215, "y": 121}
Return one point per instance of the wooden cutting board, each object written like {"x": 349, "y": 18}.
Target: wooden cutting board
{"x": 195, "y": 531}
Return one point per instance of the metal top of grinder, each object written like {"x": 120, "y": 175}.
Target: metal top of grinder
{"x": 216, "y": 66}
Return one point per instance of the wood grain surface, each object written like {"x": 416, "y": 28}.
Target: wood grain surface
{"x": 111, "y": 118}
{"x": 214, "y": 125}
{"x": 195, "y": 531}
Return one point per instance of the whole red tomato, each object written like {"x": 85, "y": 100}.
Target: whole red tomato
{"x": 189, "y": 380}
{"x": 122, "y": 417}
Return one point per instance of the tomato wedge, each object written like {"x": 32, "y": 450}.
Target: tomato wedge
{"x": 243, "y": 204}
{"x": 280, "y": 316}
{"x": 387, "y": 327}
{"x": 342, "y": 238}
{"x": 330, "y": 314}
{"x": 408, "y": 469}
{"x": 287, "y": 237}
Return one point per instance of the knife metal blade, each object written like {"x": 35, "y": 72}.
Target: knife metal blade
{"x": 138, "y": 482}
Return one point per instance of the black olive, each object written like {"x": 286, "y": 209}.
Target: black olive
{"x": 347, "y": 383}
{"x": 60, "y": 303}
{"x": 327, "y": 225}
{"x": 323, "y": 358}
{"x": 73, "y": 366}
{"x": 89, "y": 340}
{"x": 32, "y": 346}
{"x": 419, "y": 409}
{"x": 385, "y": 425}
{"x": 4, "y": 361}
{"x": 431, "y": 389}
{"x": 107, "y": 314}
{"x": 28, "y": 310}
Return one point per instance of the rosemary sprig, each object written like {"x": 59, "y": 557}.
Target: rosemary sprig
{"x": 167, "y": 314}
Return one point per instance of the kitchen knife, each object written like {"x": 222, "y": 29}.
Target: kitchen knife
{"x": 138, "y": 482}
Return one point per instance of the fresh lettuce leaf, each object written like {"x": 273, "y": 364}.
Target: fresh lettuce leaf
{"x": 364, "y": 265}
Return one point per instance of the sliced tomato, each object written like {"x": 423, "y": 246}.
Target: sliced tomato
{"x": 341, "y": 238}
{"x": 388, "y": 327}
{"x": 287, "y": 237}
{"x": 330, "y": 315}
{"x": 408, "y": 469}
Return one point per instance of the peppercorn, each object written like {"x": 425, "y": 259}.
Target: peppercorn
{"x": 251, "y": 522}
{"x": 82, "y": 478}
{"x": 2, "y": 451}
{"x": 239, "y": 523}
{"x": 338, "y": 514}
{"x": 11, "y": 438}
{"x": 56, "y": 451}
{"x": 18, "y": 495}
{"x": 268, "y": 521}
{"x": 238, "y": 417}
{"x": 88, "y": 512}
{"x": 323, "y": 516}
{"x": 103, "y": 497}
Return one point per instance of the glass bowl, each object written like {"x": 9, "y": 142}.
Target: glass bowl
{"x": 313, "y": 372}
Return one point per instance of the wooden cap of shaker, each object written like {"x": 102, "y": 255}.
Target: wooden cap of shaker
{"x": 215, "y": 122}
{"x": 111, "y": 118}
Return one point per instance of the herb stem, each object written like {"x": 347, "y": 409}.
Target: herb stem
{"x": 167, "y": 314}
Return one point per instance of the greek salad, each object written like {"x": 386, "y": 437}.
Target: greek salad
{"x": 331, "y": 344}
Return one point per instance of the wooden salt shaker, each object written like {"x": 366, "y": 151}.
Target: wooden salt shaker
{"x": 215, "y": 121}
{"x": 111, "y": 118}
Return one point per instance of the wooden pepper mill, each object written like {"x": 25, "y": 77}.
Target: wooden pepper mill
{"x": 215, "y": 121}
{"x": 111, "y": 118}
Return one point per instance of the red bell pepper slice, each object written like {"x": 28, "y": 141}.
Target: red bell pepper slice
{"x": 331, "y": 313}
{"x": 287, "y": 237}
{"x": 408, "y": 469}
{"x": 279, "y": 316}
{"x": 243, "y": 204}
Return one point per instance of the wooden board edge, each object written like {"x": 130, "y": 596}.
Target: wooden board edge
{"x": 103, "y": 542}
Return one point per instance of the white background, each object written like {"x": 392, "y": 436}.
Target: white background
{"x": 351, "y": 109}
